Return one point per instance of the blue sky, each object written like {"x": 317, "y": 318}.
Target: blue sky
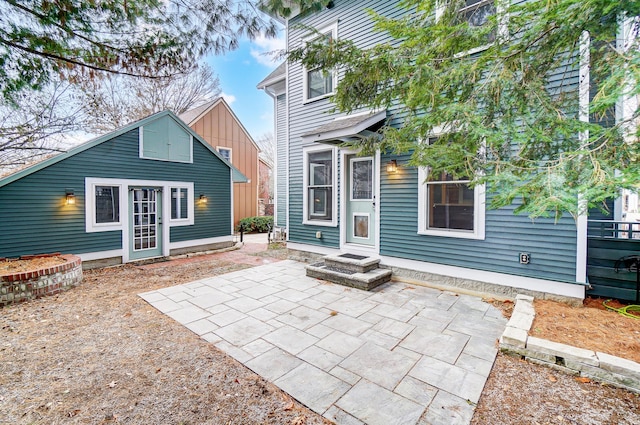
{"x": 239, "y": 72}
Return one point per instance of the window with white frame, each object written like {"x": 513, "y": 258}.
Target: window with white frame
{"x": 477, "y": 14}
{"x": 449, "y": 206}
{"x": 225, "y": 153}
{"x": 319, "y": 186}
{"x": 179, "y": 203}
{"x": 107, "y": 204}
{"x": 317, "y": 83}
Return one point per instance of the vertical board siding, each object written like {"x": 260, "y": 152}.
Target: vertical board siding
{"x": 34, "y": 217}
{"x": 552, "y": 245}
{"x": 281, "y": 161}
{"x": 219, "y": 128}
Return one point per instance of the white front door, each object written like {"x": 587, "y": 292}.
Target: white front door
{"x": 360, "y": 198}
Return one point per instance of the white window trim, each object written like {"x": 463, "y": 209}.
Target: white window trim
{"x": 174, "y": 222}
{"x": 141, "y": 149}
{"x": 89, "y": 190}
{"x": 227, "y": 149}
{"x": 90, "y": 205}
{"x": 479, "y": 200}
{"x": 333, "y": 28}
{"x": 479, "y": 205}
{"x": 305, "y": 187}
{"x": 502, "y": 32}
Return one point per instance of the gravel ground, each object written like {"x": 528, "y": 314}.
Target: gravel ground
{"x": 100, "y": 354}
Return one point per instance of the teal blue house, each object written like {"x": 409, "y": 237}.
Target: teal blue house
{"x": 151, "y": 189}
{"x": 330, "y": 200}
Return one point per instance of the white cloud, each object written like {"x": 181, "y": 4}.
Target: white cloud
{"x": 229, "y": 98}
{"x": 263, "y": 47}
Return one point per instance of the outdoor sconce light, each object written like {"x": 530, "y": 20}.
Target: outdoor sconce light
{"x": 203, "y": 198}
{"x": 392, "y": 167}
{"x": 70, "y": 197}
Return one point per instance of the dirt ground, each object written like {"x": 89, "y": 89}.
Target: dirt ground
{"x": 98, "y": 354}
{"x": 591, "y": 327}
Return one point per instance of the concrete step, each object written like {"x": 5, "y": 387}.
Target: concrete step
{"x": 354, "y": 279}
{"x": 351, "y": 262}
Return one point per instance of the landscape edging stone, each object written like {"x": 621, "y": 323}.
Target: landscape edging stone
{"x": 600, "y": 367}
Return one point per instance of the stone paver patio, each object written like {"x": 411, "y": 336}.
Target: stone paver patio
{"x": 398, "y": 355}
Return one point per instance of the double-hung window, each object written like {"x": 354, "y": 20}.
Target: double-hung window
{"x": 317, "y": 83}
{"x": 448, "y": 206}
{"x": 320, "y": 179}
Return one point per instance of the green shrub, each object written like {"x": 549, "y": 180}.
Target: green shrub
{"x": 255, "y": 224}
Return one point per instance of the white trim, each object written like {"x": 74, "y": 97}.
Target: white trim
{"x": 123, "y": 227}
{"x": 583, "y": 115}
{"x": 99, "y": 255}
{"x": 479, "y": 208}
{"x": 333, "y": 29}
{"x": 344, "y": 245}
{"x": 197, "y": 242}
{"x": 230, "y": 153}
{"x": 305, "y": 186}
{"x": 90, "y": 206}
{"x": 501, "y": 279}
{"x": 286, "y": 138}
{"x": 315, "y": 249}
{"x": 190, "y": 220}
{"x": 502, "y": 30}
{"x": 232, "y": 202}
{"x": 361, "y": 214}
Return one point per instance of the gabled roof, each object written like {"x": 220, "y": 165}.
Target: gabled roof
{"x": 193, "y": 115}
{"x": 343, "y": 128}
{"x": 238, "y": 177}
{"x": 277, "y": 75}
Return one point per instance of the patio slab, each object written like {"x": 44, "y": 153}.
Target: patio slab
{"x": 390, "y": 356}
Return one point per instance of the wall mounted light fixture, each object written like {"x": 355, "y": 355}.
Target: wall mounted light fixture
{"x": 392, "y": 167}
{"x": 70, "y": 197}
{"x": 203, "y": 198}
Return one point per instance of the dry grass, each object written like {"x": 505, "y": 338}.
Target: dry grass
{"x": 100, "y": 354}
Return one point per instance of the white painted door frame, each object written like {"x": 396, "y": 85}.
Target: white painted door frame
{"x": 344, "y": 198}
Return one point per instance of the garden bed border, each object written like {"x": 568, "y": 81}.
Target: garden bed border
{"x": 594, "y": 365}
{"x": 27, "y": 285}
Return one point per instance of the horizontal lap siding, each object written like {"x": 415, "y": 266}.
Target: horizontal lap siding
{"x": 211, "y": 178}
{"x": 34, "y": 219}
{"x": 552, "y": 245}
{"x": 353, "y": 24}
